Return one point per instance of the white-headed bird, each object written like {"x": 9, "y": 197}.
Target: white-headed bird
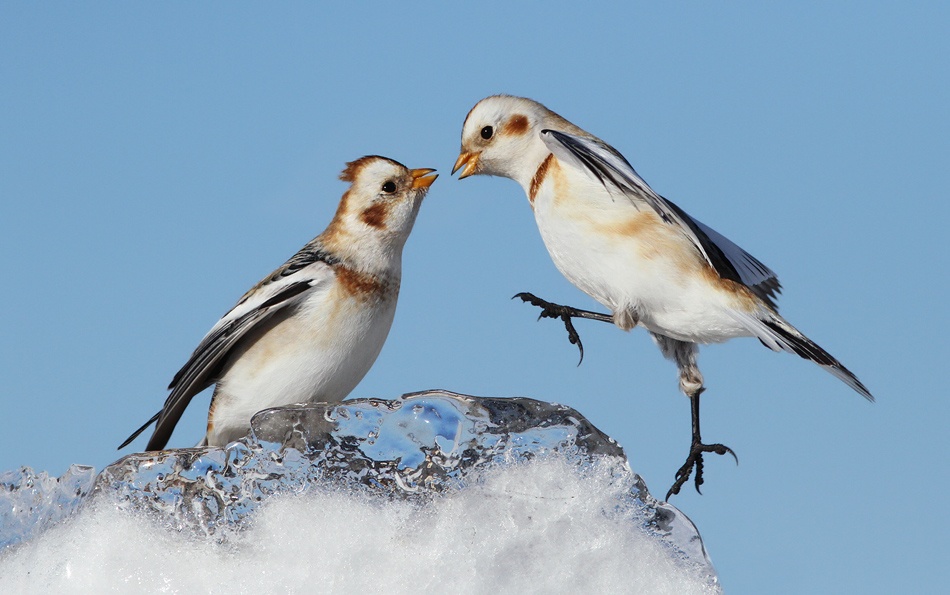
{"x": 632, "y": 250}
{"x": 312, "y": 329}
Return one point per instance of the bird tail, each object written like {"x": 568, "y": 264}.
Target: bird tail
{"x": 136, "y": 433}
{"x": 778, "y": 335}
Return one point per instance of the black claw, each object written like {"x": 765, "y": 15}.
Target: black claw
{"x": 674, "y": 489}
{"x": 573, "y": 337}
{"x": 730, "y": 451}
{"x": 550, "y": 310}
{"x": 525, "y": 297}
{"x": 695, "y": 460}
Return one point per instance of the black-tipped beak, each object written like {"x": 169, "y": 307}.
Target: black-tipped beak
{"x": 422, "y": 178}
{"x": 468, "y": 161}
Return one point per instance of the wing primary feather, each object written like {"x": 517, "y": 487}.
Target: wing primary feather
{"x": 606, "y": 164}
{"x": 287, "y": 293}
{"x": 202, "y": 368}
{"x": 200, "y": 372}
{"x": 204, "y": 365}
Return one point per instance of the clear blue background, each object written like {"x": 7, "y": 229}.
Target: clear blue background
{"x": 156, "y": 161}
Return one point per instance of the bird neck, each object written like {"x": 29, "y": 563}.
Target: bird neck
{"x": 377, "y": 253}
{"x": 531, "y": 159}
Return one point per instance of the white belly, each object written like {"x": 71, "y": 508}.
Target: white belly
{"x": 630, "y": 261}
{"x": 320, "y": 354}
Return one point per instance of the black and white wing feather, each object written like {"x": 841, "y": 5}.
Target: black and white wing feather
{"x": 307, "y": 271}
{"x": 610, "y": 168}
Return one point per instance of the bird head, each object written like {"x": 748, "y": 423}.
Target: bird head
{"x": 500, "y": 137}
{"x": 381, "y": 205}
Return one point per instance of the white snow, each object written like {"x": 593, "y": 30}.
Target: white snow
{"x": 535, "y": 528}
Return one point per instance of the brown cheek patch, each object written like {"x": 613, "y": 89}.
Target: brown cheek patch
{"x": 375, "y": 216}
{"x": 516, "y": 125}
{"x": 539, "y": 176}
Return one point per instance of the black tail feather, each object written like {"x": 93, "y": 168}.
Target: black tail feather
{"x": 136, "y": 433}
{"x": 797, "y": 343}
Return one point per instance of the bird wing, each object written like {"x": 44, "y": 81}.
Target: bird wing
{"x": 307, "y": 271}
{"x": 610, "y": 168}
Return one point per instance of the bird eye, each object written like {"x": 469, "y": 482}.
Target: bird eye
{"x": 389, "y": 187}
{"x": 487, "y": 132}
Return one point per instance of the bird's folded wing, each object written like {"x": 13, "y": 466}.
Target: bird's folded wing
{"x": 610, "y": 168}
{"x": 307, "y": 271}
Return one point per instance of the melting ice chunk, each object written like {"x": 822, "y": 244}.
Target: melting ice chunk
{"x": 433, "y": 470}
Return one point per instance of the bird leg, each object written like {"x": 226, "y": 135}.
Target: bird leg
{"x": 565, "y": 313}
{"x": 696, "y": 450}
{"x": 691, "y": 383}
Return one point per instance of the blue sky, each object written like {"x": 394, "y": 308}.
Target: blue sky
{"x": 156, "y": 161}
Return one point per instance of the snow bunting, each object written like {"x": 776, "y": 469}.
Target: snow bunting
{"x": 310, "y": 330}
{"x": 630, "y": 249}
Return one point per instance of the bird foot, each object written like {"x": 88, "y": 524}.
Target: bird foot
{"x": 551, "y": 310}
{"x": 695, "y": 459}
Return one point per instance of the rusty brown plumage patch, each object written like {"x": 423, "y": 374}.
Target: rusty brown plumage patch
{"x": 353, "y": 167}
{"x": 342, "y": 208}
{"x": 375, "y": 215}
{"x": 335, "y": 228}
{"x": 643, "y": 222}
{"x": 360, "y": 285}
{"x": 210, "y": 427}
{"x": 539, "y": 176}
{"x": 745, "y": 299}
{"x": 517, "y": 125}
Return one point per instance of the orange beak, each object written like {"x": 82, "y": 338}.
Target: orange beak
{"x": 470, "y": 161}
{"x": 421, "y": 177}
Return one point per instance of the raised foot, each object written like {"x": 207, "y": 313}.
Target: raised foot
{"x": 565, "y": 313}
{"x": 550, "y": 310}
{"x": 695, "y": 459}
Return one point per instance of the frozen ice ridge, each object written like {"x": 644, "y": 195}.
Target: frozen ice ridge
{"x": 32, "y": 502}
{"x": 514, "y": 482}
